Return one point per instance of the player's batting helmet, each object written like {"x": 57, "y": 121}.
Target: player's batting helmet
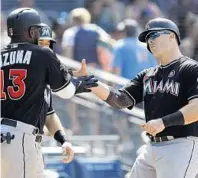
{"x": 21, "y": 20}
{"x": 160, "y": 24}
{"x": 46, "y": 33}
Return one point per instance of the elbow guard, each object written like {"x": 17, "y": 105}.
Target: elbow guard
{"x": 119, "y": 100}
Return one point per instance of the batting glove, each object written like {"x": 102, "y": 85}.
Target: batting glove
{"x": 84, "y": 83}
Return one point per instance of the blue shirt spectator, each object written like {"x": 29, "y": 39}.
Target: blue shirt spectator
{"x": 131, "y": 56}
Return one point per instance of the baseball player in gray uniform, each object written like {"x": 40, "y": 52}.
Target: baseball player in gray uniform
{"x": 170, "y": 95}
{"x": 26, "y": 70}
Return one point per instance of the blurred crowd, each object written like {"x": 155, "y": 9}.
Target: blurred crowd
{"x": 104, "y": 32}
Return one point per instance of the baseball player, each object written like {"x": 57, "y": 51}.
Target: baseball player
{"x": 46, "y": 40}
{"x": 26, "y": 70}
{"x": 170, "y": 95}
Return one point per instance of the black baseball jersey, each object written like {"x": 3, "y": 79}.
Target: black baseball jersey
{"x": 47, "y": 109}
{"x": 165, "y": 90}
{"x": 48, "y": 99}
{"x": 26, "y": 70}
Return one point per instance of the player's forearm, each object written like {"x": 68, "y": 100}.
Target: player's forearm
{"x": 46, "y": 131}
{"x": 116, "y": 99}
{"x": 53, "y": 124}
{"x": 190, "y": 112}
{"x": 186, "y": 115}
{"x": 102, "y": 91}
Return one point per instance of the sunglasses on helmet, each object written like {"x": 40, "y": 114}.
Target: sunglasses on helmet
{"x": 153, "y": 35}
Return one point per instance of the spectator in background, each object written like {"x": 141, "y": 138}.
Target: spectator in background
{"x": 30, "y": 3}
{"x": 134, "y": 8}
{"x": 195, "y": 39}
{"x": 58, "y": 30}
{"x": 165, "y": 5}
{"x": 142, "y": 10}
{"x": 105, "y": 13}
{"x": 104, "y": 18}
{"x": 178, "y": 13}
{"x": 130, "y": 56}
{"x": 88, "y": 41}
{"x": 189, "y": 45}
{"x": 85, "y": 40}
{"x": 4, "y": 36}
{"x": 151, "y": 11}
{"x": 117, "y": 34}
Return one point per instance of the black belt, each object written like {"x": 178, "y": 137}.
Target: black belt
{"x": 164, "y": 138}
{"x": 9, "y": 122}
{"x": 161, "y": 139}
{"x": 13, "y": 123}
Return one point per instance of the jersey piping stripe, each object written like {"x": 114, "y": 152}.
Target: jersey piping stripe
{"x": 134, "y": 101}
{"x": 192, "y": 97}
{"x": 50, "y": 112}
{"x": 170, "y": 63}
{"x": 58, "y": 89}
{"x": 190, "y": 158}
{"x": 192, "y": 60}
{"x": 23, "y": 155}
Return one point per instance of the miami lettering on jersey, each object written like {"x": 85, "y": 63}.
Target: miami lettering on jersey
{"x": 170, "y": 86}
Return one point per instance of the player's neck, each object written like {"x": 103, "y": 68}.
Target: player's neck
{"x": 21, "y": 39}
{"x": 172, "y": 55}
{"x": 16, "y": 40}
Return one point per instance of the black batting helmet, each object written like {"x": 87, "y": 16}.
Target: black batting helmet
{"x": 21, "y": 20}
{"x": 160, "y": 24}
{"x": 46, "y": 33}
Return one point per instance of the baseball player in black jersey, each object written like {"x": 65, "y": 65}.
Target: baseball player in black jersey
{"x": 170, "y": 95}
{"x": 26, "y": 70}
{"x": 46, "y": 40}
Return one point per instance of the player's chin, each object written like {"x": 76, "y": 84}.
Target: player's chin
{"x": 156, "y": 52}
{"x": 153, "y": 49}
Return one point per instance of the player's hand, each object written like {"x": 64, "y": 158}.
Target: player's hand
{"x": 68, "y": 152}
{"x": 85, "y": 83}
{"x": 154, "y": 127}
{"x": 83, "y": 71}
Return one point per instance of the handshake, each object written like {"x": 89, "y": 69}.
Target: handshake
{"x": 82, "y": 80}
{"x": 84, "y": 83}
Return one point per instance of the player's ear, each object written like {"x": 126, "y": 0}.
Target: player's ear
{"x": 172, "y": 36}
{"x": 31, "y": 32}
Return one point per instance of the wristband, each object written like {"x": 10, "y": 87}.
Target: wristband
{"x": 176, "y": 118}
{"x": 60, "y": 136}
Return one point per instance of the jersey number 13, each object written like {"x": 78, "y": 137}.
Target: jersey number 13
{"x": 17, "y": 90}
